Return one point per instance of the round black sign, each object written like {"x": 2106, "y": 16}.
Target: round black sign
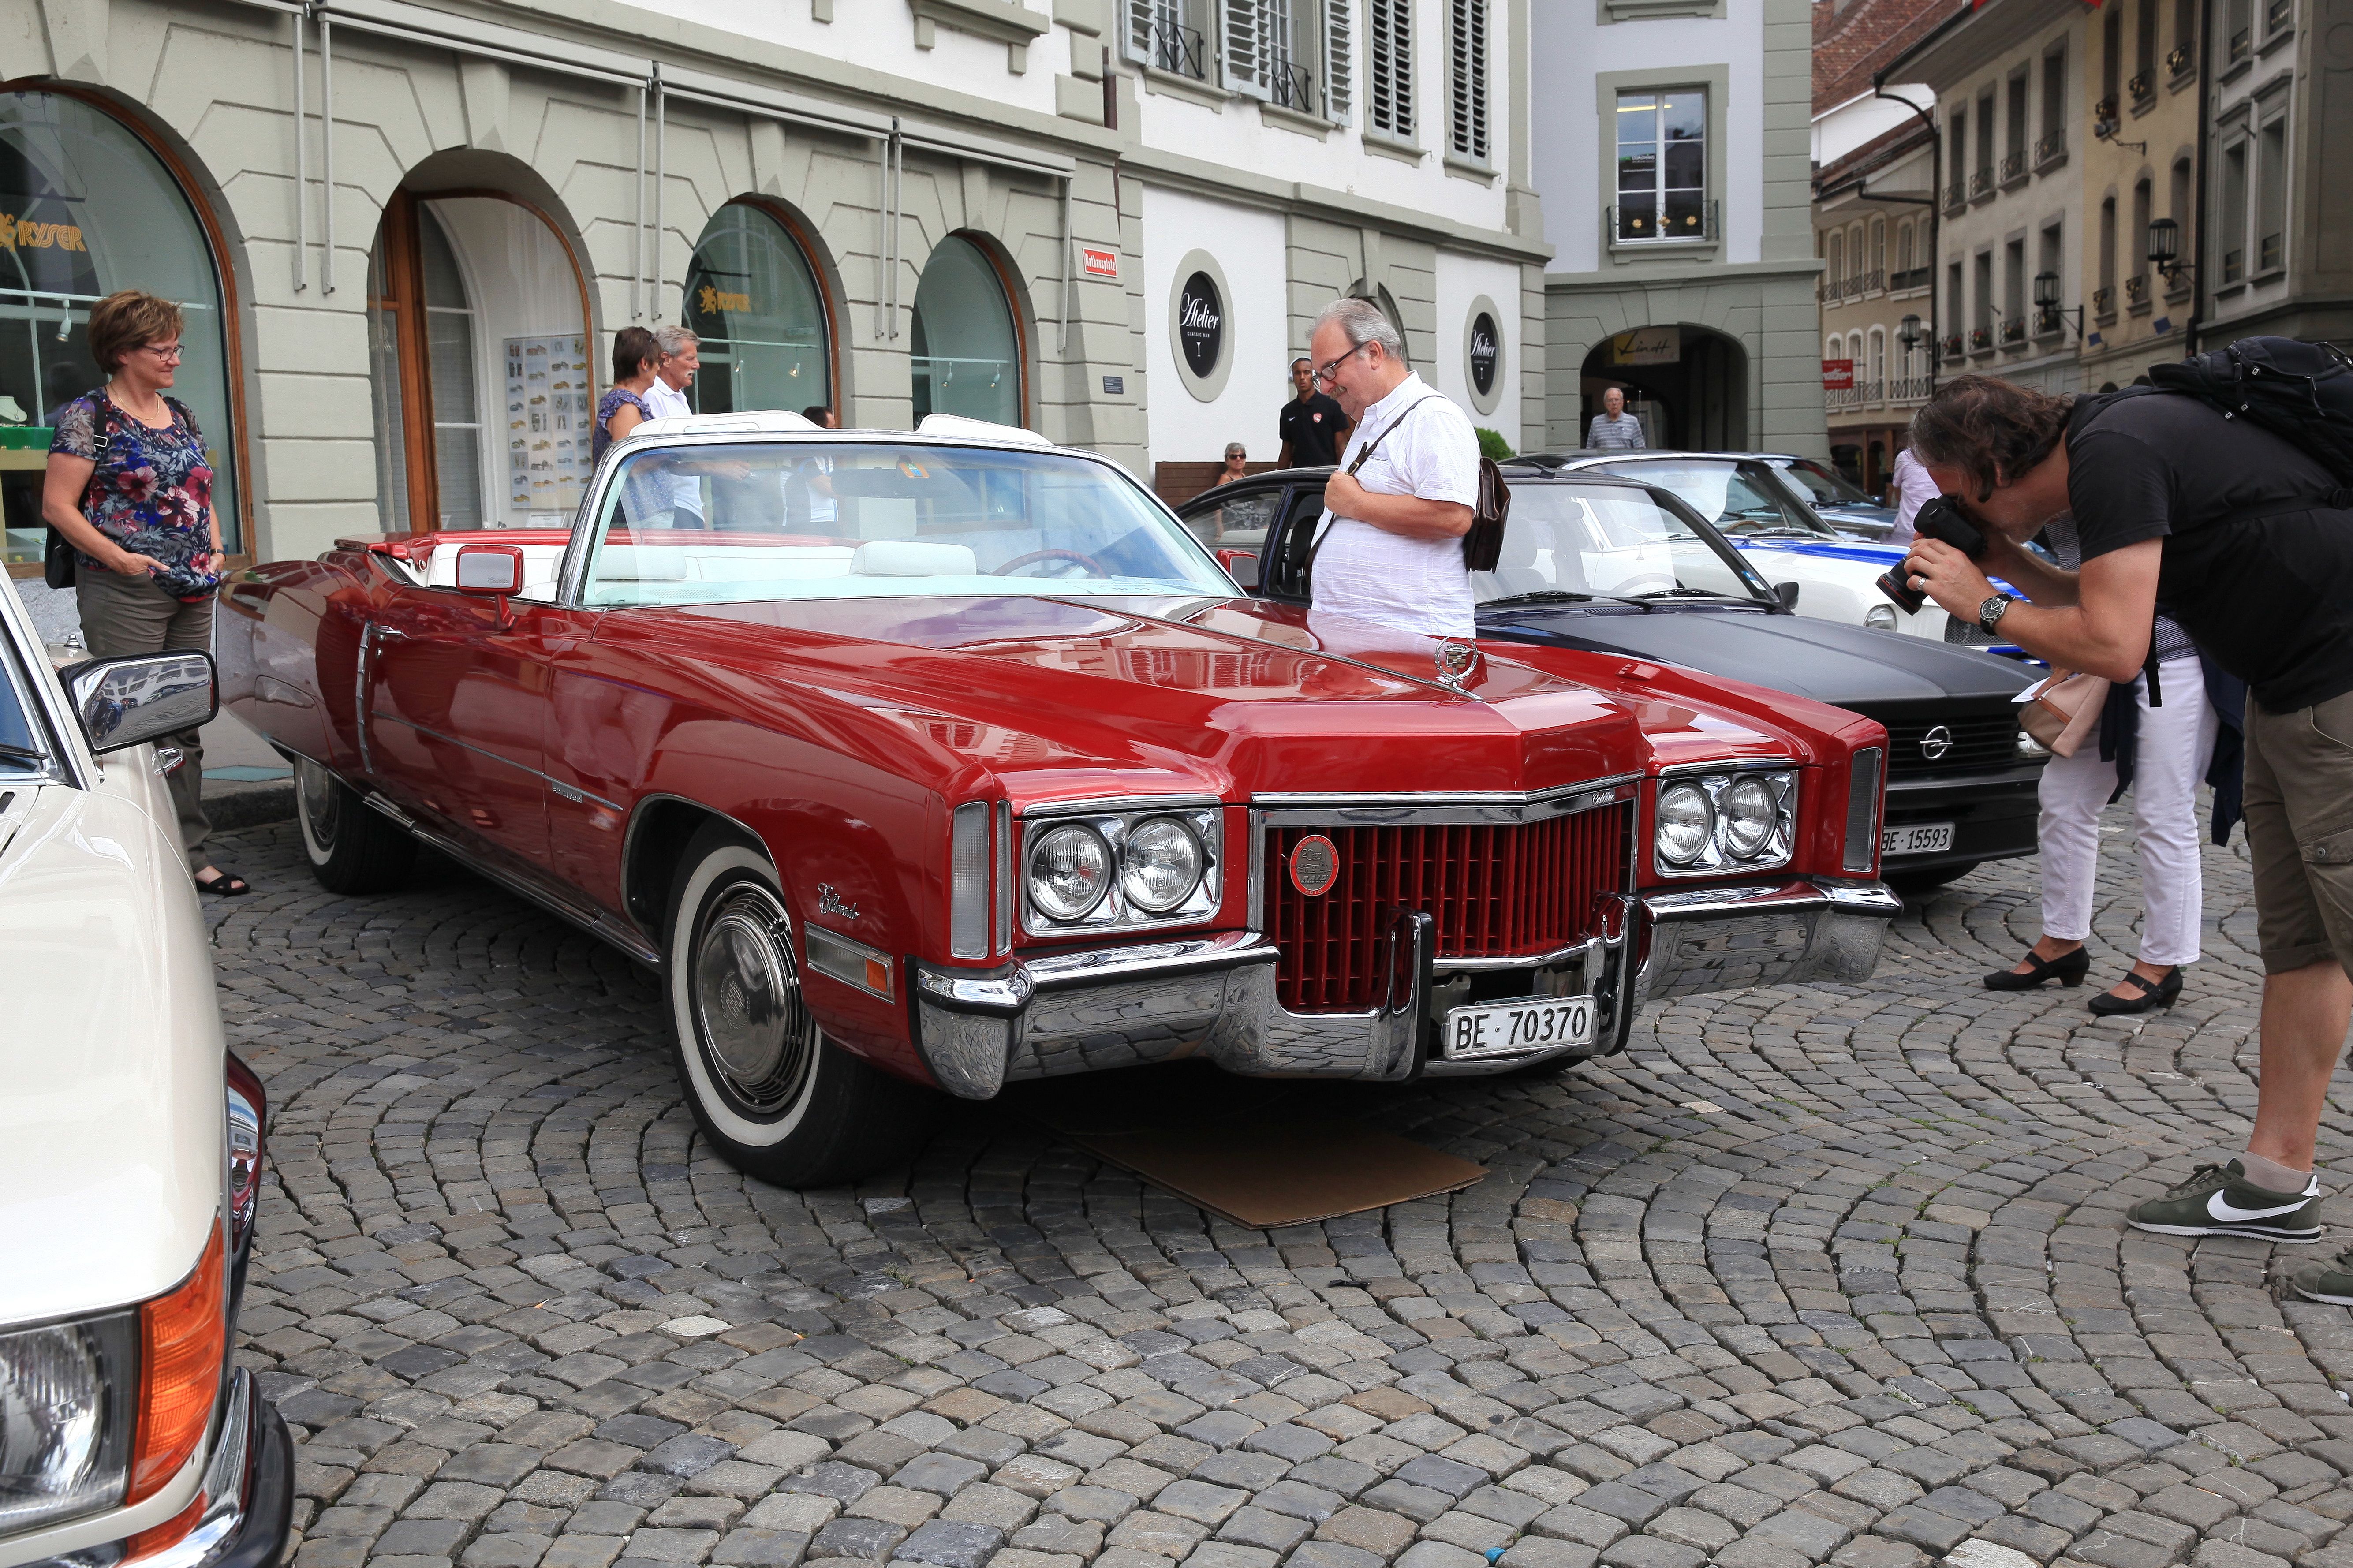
{"x": 1486, "y": 351}
{"x": 1201, "y": 323}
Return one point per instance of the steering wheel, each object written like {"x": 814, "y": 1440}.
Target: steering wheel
{"x": 1094, "y": 567}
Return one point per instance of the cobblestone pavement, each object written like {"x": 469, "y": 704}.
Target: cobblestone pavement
{"x": 1809, "y": 1273}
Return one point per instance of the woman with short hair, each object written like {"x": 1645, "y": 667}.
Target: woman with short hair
{"x": 637, "y": 360}
{"x": 129, "y": 487}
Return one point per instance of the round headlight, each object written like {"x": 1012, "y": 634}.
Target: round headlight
{"x": 1880, "y": 617}
{"x": 1160, "y": 865}
{"x": 1750, "y": 814}
{"x": 1686, "y": 823}
{"x": 1069, "y": 871}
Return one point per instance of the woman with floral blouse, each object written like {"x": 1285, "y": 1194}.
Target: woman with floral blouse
{"x": 128, "y": 486}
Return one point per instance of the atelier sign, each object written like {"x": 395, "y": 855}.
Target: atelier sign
{"x": 1200, "y": 324}
{"x": 1486, "y": 352}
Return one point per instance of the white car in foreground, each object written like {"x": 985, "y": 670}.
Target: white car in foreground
{"x": 131, "y": 1144}
{"x": 1837, "y": 576}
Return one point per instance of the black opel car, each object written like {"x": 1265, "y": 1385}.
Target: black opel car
{"x": 1614, "y": 566}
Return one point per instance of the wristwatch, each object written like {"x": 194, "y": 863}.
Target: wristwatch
{"x": 1990, "y": 613}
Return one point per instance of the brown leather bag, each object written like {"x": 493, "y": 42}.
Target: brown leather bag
{"x": 1482, "y": 547}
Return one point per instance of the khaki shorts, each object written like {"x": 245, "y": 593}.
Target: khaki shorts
{"x": 2299, "y": 805}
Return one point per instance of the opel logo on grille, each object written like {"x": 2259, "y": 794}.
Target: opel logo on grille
{"x": 1935, "y": 743}
{"x": 1314, "y": 865}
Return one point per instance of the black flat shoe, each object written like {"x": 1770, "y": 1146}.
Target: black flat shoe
{"x": 2068, "y": 968}
{"x": 2154, "y": 994}
{"x": 224, "y": 885}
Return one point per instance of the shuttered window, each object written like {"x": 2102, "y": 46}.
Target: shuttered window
{"x": 1389, "y": 67}
{"x": 1167, "y": 35}
{"x": 1466, "y": 43}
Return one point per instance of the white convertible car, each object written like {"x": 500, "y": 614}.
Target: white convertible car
{"x": 131, "y": 1144}
{"x": 1788, "y": 541}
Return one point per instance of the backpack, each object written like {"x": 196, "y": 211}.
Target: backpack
{"x": 2300, "y": 392}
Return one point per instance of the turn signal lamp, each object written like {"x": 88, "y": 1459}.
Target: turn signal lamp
{"x": 182, "y": 1340}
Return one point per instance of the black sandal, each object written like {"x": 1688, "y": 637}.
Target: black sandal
{"x": 2154, "y": 994}
{"x": 224, "y": 885}
{"x": 2068, "y": 968}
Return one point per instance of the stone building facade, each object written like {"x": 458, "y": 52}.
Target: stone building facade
{"x": 1672, "y": 139}
{"x": 407, "y": 232}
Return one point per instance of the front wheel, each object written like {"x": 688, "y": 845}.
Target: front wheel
{"x": 778, "y": 1099}
{"x": 350, "y": 848}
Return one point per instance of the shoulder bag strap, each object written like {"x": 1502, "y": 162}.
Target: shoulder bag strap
{"x": 1363, "y": 457}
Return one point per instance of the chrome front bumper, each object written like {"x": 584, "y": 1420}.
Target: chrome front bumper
{"x": 1214, "y": 997}
{"x": 1775, "y": 933}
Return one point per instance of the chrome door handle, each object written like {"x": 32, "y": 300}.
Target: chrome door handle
{"x": 382, "y": 632}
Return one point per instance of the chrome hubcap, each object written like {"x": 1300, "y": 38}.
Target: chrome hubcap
{"x": 756, "y": 1035}
{"x": 316, "y": 791}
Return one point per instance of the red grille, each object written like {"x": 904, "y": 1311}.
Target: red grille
{"x": 1495, "y": 892}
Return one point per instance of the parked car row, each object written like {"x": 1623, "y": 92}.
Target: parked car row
{"x": 132, "y": 1169}
{"x": 995, "y": 774}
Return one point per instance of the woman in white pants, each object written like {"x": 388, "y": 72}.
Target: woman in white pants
{"x": 2175, "y": 744}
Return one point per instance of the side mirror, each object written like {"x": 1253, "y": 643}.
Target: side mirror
{"x": 1241, "y": 565}
{"x": 1788, "y": 594}
{"x": 144, "y": 697}
{"x": 493, "y": 570}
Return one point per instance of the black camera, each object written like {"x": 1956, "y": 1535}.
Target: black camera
{"x": 1939, "y": 519}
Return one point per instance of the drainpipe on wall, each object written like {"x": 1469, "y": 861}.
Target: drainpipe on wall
{"x": 1936, "y": 218}
{"x": 2198, "y": 172}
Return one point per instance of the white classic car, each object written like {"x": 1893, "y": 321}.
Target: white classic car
{"x": 131, "y": 1144}
{"x": 1760, "y": 512}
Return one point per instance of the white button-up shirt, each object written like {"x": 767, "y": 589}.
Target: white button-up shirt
{"x": 1417, "y": 585}
{"x": 685, "y": 489}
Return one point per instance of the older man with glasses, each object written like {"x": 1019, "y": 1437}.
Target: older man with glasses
{"x": 1389, "y": 548}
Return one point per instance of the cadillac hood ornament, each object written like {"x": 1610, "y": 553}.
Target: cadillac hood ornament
{"x": 1456, "y": 662}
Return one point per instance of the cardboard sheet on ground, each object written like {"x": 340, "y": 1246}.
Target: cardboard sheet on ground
{"x": 1267, "y": 1174}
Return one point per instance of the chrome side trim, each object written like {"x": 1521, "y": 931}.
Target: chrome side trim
{"x": 596, "y": 923}
{"x": 569, "y": 791}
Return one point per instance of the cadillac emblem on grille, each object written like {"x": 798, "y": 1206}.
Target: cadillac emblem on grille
{"x": 1315, "y": 865}
{"x": 1935, "y": 742}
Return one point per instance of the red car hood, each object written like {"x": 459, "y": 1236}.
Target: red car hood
{"x": 1222, "y": 697}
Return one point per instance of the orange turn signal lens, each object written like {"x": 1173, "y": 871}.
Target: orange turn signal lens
{"x": 171, "y": 1532}
{"x": 182, "y": 1342}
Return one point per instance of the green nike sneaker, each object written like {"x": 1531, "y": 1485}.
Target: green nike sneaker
{"x": 2218, "y": 1200}
{"x": 2331, "y": 1282}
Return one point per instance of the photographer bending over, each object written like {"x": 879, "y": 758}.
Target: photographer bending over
{"x": 2245, "y": 540}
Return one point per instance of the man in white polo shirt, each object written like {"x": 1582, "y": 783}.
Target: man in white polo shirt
{"x": 1389, "y": 549}
{"x": 681, "y": 357}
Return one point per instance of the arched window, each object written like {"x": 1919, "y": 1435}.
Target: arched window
{"x": 1904, "y": 247}
{"x": 1834, "y": 273}
{"x": 89, "y": 208}
{"x": 1878, "y": 360}
{"x": 482, "y": 375}
{"x": 964, "y": 342}
{"x": 1878, "y": 249}
{"x": 753, "y": 297}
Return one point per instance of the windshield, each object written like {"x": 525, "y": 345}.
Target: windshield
{"x": 1568, "y": 540}
{"x": 1824, "y": 487}
{"x": 1738, "y": 497}
{"x": 741, "y": 521}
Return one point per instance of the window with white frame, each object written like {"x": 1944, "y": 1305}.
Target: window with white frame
{"x": 1663, "y": 165}
{"x": 1388, "y": 68}
{"x": 1466, "y": 44}
{"x": 1293, "y": 54}
{"x": 2270, "y": 197}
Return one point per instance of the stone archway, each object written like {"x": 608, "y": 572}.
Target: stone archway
{"x": 1688, "y": 383}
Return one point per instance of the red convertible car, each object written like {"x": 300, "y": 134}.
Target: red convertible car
{"x": 950, "y": 759}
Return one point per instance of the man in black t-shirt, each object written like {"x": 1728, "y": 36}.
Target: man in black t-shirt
{"x": 1313, "y": 427}
{"x": 2247, "y": 542}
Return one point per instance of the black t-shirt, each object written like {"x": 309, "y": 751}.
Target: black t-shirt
{"x": 2257, "y": 567}
{"x": 1311, "y": 427}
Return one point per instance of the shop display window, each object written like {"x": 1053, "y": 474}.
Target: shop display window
{"x": 87, "y": 209}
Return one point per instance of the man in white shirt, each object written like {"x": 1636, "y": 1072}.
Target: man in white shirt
{"x": 1914, "y": 490}
{"x": 681, "y": 357}
{"x": 1389, "y": 551}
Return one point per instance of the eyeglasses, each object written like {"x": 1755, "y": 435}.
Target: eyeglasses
{"x": 1325, "y": 375}
{"x": 167, "y": 352}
